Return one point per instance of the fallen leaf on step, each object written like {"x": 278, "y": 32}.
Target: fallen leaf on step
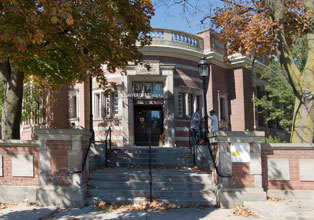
{"x": 274, "y": 199}
{"x": 241, "y": 210}
{"x": 7, "y": 205}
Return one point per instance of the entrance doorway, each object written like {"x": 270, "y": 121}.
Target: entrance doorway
{"x": 144, "y": 117}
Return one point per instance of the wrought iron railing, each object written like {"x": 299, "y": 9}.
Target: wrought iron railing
{"x": 150, "y": 162}
{"x": 107, "y": 142}
{"x": 90, "y": 142}
{"x": 192, "y": 146}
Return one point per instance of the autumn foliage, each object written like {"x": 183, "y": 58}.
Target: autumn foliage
{"x": 62, "y": 41}
{"x": 272, "y": 27}
{"x": 59, "y": 41}
{"x": 248, "y": 26}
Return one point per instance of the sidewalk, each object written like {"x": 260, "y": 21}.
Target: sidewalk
{"x": 284, "y": 209}
{"x": 276, "y": 210}
{"x": 25, "y": 212}
{"x": 89, "y": 213}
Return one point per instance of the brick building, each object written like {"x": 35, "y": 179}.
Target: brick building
{"x": 166, "y": 94}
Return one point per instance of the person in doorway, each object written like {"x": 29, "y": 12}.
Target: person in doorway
{"x": 214, "y": 121}
{"x": 195, "y": 125}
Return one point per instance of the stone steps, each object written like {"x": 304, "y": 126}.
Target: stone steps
{"x": 160, "y": 157}
{"x": 131, "y": 185}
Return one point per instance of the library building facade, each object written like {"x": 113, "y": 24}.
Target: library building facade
{"x": 164, "y": 95}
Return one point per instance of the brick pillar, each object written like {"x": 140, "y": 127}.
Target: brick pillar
{"x": 238, "y": 154}
{"x": 57, "y": 110}
{"x": 60, "y": 152}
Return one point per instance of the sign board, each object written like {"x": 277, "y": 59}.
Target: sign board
{"x": 152, "y": 101}
{"x": 240, "y": 152}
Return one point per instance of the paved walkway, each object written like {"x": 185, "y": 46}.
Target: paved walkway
{"x": 24, "y": 212}
{"x": 176, "y": 214}
{"x": 275, "y": 210}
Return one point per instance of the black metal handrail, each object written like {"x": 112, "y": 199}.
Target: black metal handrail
{"x": 192, "y": 145}
{"x": 106, "y": 144}
{"x": 90, "y": 141}
{"x": 212, "y": 157}
{"x": 150, "y": 162}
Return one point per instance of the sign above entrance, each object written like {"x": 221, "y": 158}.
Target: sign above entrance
{"x": 147, "y": 89}
{"x": 152, "y": 101}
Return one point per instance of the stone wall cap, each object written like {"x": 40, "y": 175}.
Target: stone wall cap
{"x": 22, "y": 143}
{"x": 239, "y": 134}
{"x": 288, "y": 146}
{"x": 52, "y": 131}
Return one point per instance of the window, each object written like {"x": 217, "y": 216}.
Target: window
{"x": 107, "y": 105}
{"x": 97, "y": 105}
{"x": 138, "y": 88}
{"x": 189, "y": 107}
{"x": 158, "y": 89}
{"x": 223, "y": 108}
{"x": 198, "y": 101}
{"x": 116, "y": 104}
{"x": 149, "y": 89}
{"x": 73, "y": 105}
{"x": 180, "y": 105}
{"x": 184, "y": 104}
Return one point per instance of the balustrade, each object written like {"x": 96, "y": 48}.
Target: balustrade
{"x": 175, "y": 38}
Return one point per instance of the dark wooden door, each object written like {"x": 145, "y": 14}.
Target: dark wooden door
{"x": 145, "y": 118}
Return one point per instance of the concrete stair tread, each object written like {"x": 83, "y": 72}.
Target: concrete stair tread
{"x": 155, "y": 165}
{"x": 178, "y": 201}
{"x": 155, "y": 171}
{"x": 138, "y": 158}
{"x": 122, "y": 170}
{"x": 147, "y": 147}
{"x": 95, "y": 199}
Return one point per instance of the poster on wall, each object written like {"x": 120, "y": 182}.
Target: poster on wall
{"x": 240, "y": 152}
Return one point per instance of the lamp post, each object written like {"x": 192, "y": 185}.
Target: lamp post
{"x": 91, "y": 129}
{"x": 203, "y": 67}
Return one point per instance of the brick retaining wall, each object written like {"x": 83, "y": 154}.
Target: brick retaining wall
{"x": 40, "y": 171}
{"x": 9, "y": 153}
{"x": 288, "y": 167}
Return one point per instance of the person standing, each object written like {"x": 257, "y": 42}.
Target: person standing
{"x": 214, "y": 121}
{"x": 195, "y": 125}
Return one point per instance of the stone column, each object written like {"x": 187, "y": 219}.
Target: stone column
{"x": 239, "y": 156}
{"x": 169, "y": 120}
{"x": 127, "y": 111}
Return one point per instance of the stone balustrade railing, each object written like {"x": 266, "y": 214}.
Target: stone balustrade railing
{"x": 161, "y": 36}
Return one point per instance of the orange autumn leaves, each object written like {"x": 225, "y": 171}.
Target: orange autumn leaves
{"x": 60, "y": 41}
{"x": 248, "y": 26}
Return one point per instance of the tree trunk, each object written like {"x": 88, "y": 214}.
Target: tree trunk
{"x": 12, "y": 105}
{"x": 303, "y": 126}
{"x": 302, "y": 83}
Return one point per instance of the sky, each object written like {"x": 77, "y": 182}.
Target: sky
{"x": 172, "y": 16}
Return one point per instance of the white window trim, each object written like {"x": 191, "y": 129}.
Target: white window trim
{"x": 74, "y": 93}
{"x": 103, "y": 104}
{"x": 223, "y": 96}
{"x": 94, "y": 92}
